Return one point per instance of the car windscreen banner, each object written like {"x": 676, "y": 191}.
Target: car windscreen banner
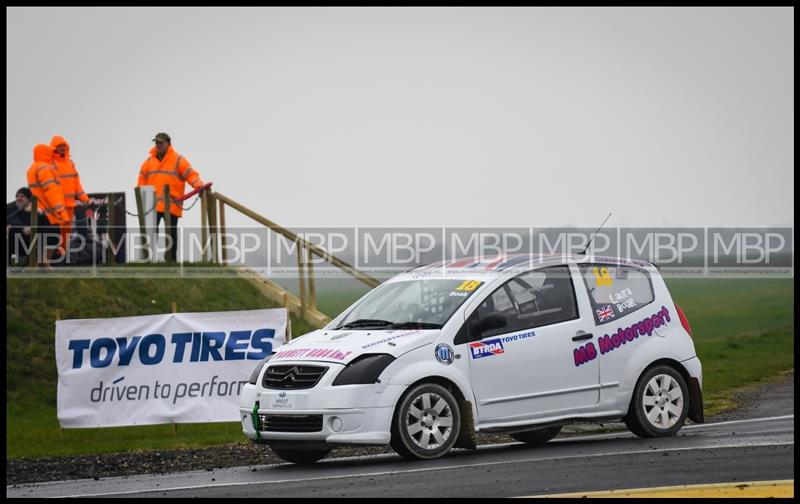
{"x": 156, "y": 369}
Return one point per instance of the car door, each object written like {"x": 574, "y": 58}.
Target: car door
{"x": 532, "y": 368}
{"x": 621, "y": 297}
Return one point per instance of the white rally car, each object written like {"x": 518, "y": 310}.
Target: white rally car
{"x": 514, "y": 344}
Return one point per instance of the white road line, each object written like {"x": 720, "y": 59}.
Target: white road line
{"x": 429, "y": 469}
{"x": 732, "y": 422}
{"x": 628, "y": 434}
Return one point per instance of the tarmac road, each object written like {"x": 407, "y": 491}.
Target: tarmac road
{"x": 755, "y": 449}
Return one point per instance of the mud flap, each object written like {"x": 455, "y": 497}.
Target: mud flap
{"x": 467, "y": 438}
{"x": 695, "y": 401}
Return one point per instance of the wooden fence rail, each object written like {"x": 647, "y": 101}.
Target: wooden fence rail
{"x": 213, "y": 229}
{"x": 305, "y": 252}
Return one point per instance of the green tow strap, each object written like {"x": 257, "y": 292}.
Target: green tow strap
{"x": 256, "y": 421}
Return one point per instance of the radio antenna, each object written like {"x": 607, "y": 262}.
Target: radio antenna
{"x": 593, "y": 235}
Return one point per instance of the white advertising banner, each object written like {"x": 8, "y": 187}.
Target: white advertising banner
{"x": 155, "y": 369}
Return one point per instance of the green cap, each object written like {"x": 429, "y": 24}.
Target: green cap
{"x": 163, "y": 136}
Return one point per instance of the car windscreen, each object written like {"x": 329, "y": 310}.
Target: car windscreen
{"x": 411, "y": 304}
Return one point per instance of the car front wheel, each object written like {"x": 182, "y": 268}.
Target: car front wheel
{"x": 426, "y": 423}
{"x": 660, "y": 403}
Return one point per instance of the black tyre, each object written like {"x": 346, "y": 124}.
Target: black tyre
{"x": 426, "y": 422}
{"x": 301, "y": 457}
{"x": 659, "y": 404}
{"x": 537, "y": 437}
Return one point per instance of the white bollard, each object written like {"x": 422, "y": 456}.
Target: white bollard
{"x": 148, "y": 202}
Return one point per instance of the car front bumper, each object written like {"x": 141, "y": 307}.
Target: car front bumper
{"x": 368, "y": 426}
{"x": 350, "y": 414}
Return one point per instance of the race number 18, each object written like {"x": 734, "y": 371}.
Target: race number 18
{"x": 468, "y": 285}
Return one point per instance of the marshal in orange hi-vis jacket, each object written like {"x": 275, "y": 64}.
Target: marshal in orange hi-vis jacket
{"x": 173, "y": 170}
{"x": 70, "y": 182}
{"x": 68, "y": 175}
{"x": 44, "y": 184}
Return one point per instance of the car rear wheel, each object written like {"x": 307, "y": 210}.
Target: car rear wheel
{"x": 660, "y": 403}
{"x": 426, "y": 422}
{"x": 298, "y": 456}
{"x": 537, "y": 437}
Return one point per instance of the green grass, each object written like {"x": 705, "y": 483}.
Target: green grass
{"x": 743, "y": 332}
{"x": 725, "y": 307}
{"x": 34, "y": 432}
{"x": 733, "y": 363}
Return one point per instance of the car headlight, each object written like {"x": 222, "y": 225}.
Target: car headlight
{"x": 257, "y": 370}
{"x": 364, "y": 369}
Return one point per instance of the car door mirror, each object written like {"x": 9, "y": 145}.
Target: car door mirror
{"x": 488, "y": 323}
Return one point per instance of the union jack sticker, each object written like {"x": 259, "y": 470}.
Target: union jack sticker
{"x": 605, "y": 313}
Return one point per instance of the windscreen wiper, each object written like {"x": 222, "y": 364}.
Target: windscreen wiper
{"x": 366, "y": 323}
{"x": 415, "y": 325}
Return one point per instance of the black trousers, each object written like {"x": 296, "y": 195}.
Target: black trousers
{"x": 172, "y": 249}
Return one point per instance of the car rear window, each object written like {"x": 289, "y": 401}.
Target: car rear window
{"x": 616, "y": 290}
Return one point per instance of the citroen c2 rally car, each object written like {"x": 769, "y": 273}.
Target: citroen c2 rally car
{"x": 517, "y": 344}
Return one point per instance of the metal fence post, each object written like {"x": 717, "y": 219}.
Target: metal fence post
{"x": 168, "y": 224}
{"x": 142, "y": 228}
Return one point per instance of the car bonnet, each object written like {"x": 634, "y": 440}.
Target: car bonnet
{"x": 343, "y": 346}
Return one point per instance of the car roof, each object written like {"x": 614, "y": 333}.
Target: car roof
{"x": 491, "y": 263}
{"x": 495, "y": 265}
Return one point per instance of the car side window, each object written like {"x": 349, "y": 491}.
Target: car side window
{"x": 502, "y": 302}
{"x": 545, "y": 297}
{"x": 616, "y": 290}
{"x": 533, "y": 299}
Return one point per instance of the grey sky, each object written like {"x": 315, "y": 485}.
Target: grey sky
{"x": 428, "y": 116}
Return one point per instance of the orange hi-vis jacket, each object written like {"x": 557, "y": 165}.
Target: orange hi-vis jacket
{"x": 44, "y": 184}
{"x": 68, "y": 175}
{"x": 173, "y": 170}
